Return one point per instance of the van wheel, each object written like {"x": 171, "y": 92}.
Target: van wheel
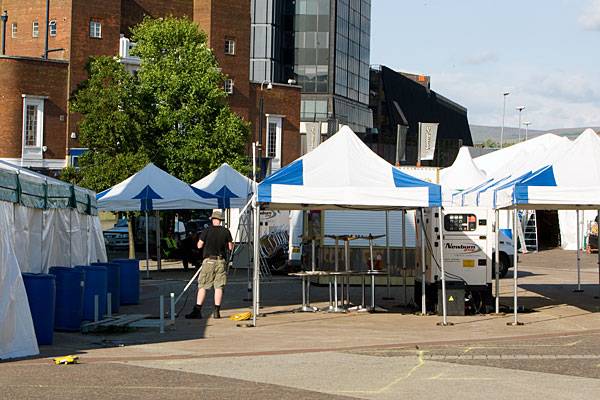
{"x": 504, "y": 266}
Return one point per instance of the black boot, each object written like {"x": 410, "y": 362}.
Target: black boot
{"x": 196, "y": 313}
{"x": 217, "y": 312}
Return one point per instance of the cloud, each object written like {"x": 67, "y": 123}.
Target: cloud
{"x": 553, "y": 99}
{"x": 590, "y": 17}
{"x": 481, "y": 58}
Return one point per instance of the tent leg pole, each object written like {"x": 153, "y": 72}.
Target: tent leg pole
{"x": 423, "y": 297}
{"x": 578, "y": 290}
{"x": 497, "y": 261}
{"x": 515, "y": 271}
{"x": 158, "y": 259}
{"x": 442, "y": 267}
{"x": 387, "y": 255}
{"x": 598, "y": 296}
{"x": 256, "y": 260}
{"x": 404, "y": 255}
{"x": 147, "y": 249}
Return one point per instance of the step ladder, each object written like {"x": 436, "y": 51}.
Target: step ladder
{"x": 530, "y": 230}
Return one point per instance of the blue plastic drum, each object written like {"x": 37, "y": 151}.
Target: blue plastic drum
{"x": 113, "y": 275}
{"x": 69, "y": 298}
{"x": 95, "y": 284}
{"x": 130, "y": 280}
{"x": 41, "y": 293}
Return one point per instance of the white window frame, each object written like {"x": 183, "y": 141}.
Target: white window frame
{"x": 228, "y": 86}
{"x": 33, "y": 151}
{"x": 95, "y": 29}
{"x": 35, "y": 29}
{"x": 274, "y": 154}
{"x": 14, "y": 29}
{"x": 52, "y": 28}
{"x": 230, "y": 47}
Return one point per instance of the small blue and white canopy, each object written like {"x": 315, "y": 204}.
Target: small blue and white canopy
{"x": 344, "y": 173}
{"x": 151, "y": 189}
{"x": 225, "y": 188}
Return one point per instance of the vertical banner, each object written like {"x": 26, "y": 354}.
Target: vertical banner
{"x": 401, "y": 143}
{"x": 313, "y": 135}
{"x": 427, "y": 138}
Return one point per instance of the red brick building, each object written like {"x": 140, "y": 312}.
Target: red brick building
{"x": 37, "y": 129}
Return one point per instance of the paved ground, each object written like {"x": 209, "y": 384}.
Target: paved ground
{"x": 554, "y": 355}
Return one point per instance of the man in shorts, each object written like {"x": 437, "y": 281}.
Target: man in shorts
{"x": 215, "y": 241}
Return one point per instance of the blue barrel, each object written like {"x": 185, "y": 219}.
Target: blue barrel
{"x": 95, "y": 283}
{"x": 113, "y": 275}
{"x": 130, "y": 280}
{"x": 41, "y": 293}
{"x": 69, "y": 298}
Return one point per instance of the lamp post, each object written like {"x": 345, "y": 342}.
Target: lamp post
{"x": 503, "y": 115}
{"x": 520, "y": 110}
{"x": 261, "y": 115}
{"x": 4, "y": 18}
{"x": 526, "y": 123}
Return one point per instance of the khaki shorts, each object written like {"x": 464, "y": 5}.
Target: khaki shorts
{"x": 213, "y": 274}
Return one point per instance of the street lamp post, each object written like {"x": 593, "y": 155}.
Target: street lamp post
{"x": 4, "y": 18}
{"x": 526, "y": 123}
{"x": 503, "y": 115}
{"x": 520, "y": 110}
{"x": 261, "y": 114}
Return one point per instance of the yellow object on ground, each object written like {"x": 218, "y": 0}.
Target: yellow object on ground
{"x": 66, "y": 360}
{"x": 241, "y": 316}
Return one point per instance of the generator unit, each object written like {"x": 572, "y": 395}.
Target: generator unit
{"x": 468, "y": 249}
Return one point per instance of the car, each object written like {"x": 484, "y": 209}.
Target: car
{"x": 118, "y": 235}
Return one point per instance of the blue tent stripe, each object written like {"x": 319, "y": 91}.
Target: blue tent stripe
{"x": 542, "y": 177}
{"x": 402, "y": 180}
{"x": 146, "y": 196}
{"x": 290, "y": 175}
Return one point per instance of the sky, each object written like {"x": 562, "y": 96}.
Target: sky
{"x": 546, "y": 53}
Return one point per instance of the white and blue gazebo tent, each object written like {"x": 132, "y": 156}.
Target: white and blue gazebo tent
{"x": 151, "y": 189}
{"x": 341, "y": 173}
{"x": 570, "y": 182}
{"x": 225, "y": 188}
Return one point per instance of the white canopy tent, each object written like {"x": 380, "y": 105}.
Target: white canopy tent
{"x": 151, "y": 189}
{"x": 461, "y": 175}
{"x": 341, "y": 173}
{"x": 43, "y": 222}
{"x": 225, "y": 188}
{"x": 571, "y": 181}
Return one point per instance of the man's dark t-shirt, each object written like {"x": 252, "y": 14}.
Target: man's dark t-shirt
{"x": 215, "y": 240}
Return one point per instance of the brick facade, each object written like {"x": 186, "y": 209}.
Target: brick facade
{"x": 24, "y": 76}
{"x": 220, "y": 19}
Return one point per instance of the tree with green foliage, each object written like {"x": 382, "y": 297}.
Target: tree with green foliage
{"x": 172, "y": 112}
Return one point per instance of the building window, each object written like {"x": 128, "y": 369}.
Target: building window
{"x": 35, "y": 31}
{"x": 33, "y": 126}
{"x": 230, "y": 47}
{"x": 228, "y": 86}
{"x": 274, "y": 128}
{"x": 95, "y": 29}
{"x": 14, "y": 29}
{"x": 52, "y": 27}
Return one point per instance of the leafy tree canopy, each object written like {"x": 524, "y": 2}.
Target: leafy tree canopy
{"x": 172, "y": 112}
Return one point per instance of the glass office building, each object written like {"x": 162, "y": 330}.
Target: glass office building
{"x": 324, "y": 46}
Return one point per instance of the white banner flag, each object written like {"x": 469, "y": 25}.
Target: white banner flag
{"x": 427, "y": 139}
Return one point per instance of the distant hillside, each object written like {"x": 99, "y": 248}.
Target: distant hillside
{"x": 482, "y": 133}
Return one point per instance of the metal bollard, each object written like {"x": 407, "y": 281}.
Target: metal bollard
{"x": 162, "y": 313}
{"x": 173, "y": 307}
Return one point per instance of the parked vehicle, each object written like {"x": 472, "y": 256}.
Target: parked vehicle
{"x": 117, "y": 237}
